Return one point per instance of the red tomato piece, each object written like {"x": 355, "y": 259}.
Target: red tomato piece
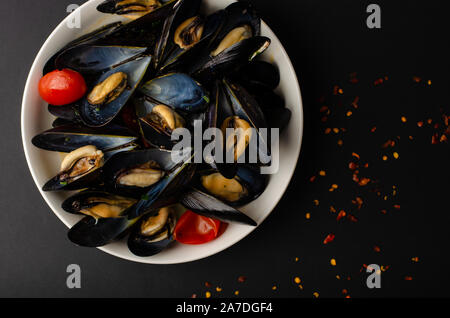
{"x": 196, "y": 229}
{"x": 62, "y": 87}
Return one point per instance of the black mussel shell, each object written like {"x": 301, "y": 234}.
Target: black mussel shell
{"x": 145, "y": 246}
{"x": 83, "y": 40}
{"x": 70, "y": 137}
{"x": 207, "y": 205}
{"x": 273, "y": 107}
{"x": 206, "y": 69}
{"x": 91, "y": 232}
{"x": 69, "y": 112}
{"x": 91, "y": 179}
{"x": 258, "y": 76}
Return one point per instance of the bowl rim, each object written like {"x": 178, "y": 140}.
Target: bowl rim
{"x": 105, "y": 248}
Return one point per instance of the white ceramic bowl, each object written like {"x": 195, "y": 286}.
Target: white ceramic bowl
{"x": 44, "y": 165}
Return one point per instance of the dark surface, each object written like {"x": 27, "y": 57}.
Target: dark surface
{"x": 327, "y": 40}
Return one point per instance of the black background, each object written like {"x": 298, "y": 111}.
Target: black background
{"x": 327, "y": 41}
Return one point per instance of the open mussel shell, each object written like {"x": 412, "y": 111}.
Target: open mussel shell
{"x": 178, "y": 91}
{"x": 134, "y": 173}
{"x": 100, "y": 115}
{"x": 183, "y": 10}
{"x": 166, "y": 191}
{"x": 135, "y": 9}
{"x": 98, "y": 204}
{"x": 95, "y": 59}
{"x": 273, "y": 107}
{"x": 153, "y": 233}
{"x": 208, "y": 68}
{"x": 209, "y": 206}
{"x": 247, "y": 185}
{"x": 89, "y": 38}
{"x": 70, "y": 137}
{"x": 80, "y": 169}
{"x": 189, "y": 36}
{"x": 92, "y": 232}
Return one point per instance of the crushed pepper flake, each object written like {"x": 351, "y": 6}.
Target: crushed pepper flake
{"x": 355, "y": 102}
{"x": 344, "y": 291}
{"x": 443, "y": 138}
{"x": 396, "y": 155}
{"x": 208, "y": 284}
{"x": 296, "y": 259}
{"x": 297, "y": 280}
{"x": 236, "y": 292}
{"x": 327, "y": 131}
{"x": 429, "y": 82}
{"x": 377, "y": 249}
{"x": 434, "y": 139}
{"x": 308, "y": 216}
{"x": 352, "y": 218}
{"x": 416, "y": 79}
{"x": 354, "y": 154}
{"x": 218, "y": 289}
{"x": 329, "y": 239}
{"x": 208, "y": 294}
{"x": 349, "y": 113}
{"x": 242, "y": 279}
{"x": 415, "y": 259}
{"x": 364, "y": 181}
{"x": 397, "y": 206}
{"x": 332, "y": 209}
{"x": 340, "y": 142}
{"x": 429, "y": 121}
{"x": 384, "y": 211}
{"x": 336, "y": 130}
{"x": 352, "y": 166}
{"x": 323, "y": 109}
{"x": 403, "y": 119}
{"x": 374, "y": 129}
{"x": 408, "y": 278}
{"x": 312, "y": 179}
{"x": 341, "y": 215}
{"x": 385, "y": 158}
{"x": 274, "y": 287}
{"x": 338, "y": 277}
{"x": 316, "y": 202}
{"x": 316, "y": 295}
{"x": 194, "y": 296}
{"x": 300, "y": 286}
{"x": 322, "y": 173}
{"x": 333, "y": 262}
{"x": 420, "y": 124}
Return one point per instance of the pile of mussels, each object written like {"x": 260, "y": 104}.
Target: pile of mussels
{"x": 166, "y": 67}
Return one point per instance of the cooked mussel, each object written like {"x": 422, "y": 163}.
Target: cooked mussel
{"x": 258, "y": 76}
{"x": 111, "y": 91}
{"x": 209, "y": 206}
{"x": 178, "y": 91}
{"x": 247, "y": 185}
{"x": 97, "y": 204}
{"x": 132, "y": 9}
{"x": 153, "y": 233}
{"x": 78, "y": 169}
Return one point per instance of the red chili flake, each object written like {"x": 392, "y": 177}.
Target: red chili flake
{"x": 352, "y": 218}
{"x": 435, "y": 139}
{"x": 420, "y": 123}
{"x": 358, "y": 201}
{"x": 344, "y": 291}
{"x": 389, "y": 143}
{"x": 208, "y": 284}
{"x": 352, "y": 166}
{"x": 397, "y": 206}
{"x": 377, "y": 249}
{"x": 416, "y": 79}
{"x": 363, "y": 182}
{"x": 355, "y": 102}
{"x": 335, "y": 90}
{"x": 378, "y": 81}
{"x": 332, "y": 209}
{"x": 194, "y": 296}
{"x": 429, "y": 121}
{"x": 324, "y": 119}
{"x": 446, "y": 119}
{"x": 354, "y": 154}
{"x": 327, "y": 131}
{"x": 409, "y": 278}
{"x": 355, "y": 177}
{"x": 242, "y": 279}
{"x": 443, "y": 138}
{"x": 341, "y": 214}
{"x": 329, "y": 239}
{"x": 415, "y": 259}
{"x": 384, "y": 211}
{"x": 374, "y": 129}
{"x": 312, "y": 179}
{"x": 323, "y": 109}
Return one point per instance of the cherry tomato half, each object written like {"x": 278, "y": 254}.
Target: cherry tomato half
{"x": 62, "y": 87}
{"x": 196, "y": 229}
